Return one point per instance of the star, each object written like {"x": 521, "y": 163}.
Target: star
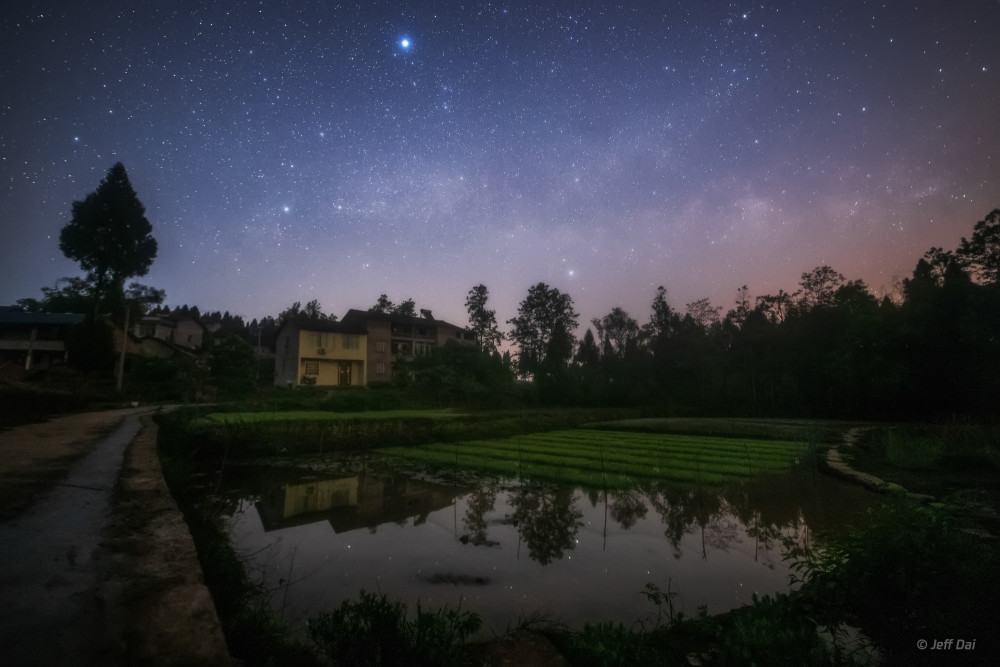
{"x": 659, "y": 132}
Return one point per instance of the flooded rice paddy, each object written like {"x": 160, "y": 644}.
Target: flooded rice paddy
{"x": 318, "y": 533}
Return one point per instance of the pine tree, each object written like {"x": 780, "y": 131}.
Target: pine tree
{"x": 109, "y": 235}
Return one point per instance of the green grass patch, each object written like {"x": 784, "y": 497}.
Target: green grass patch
{"x": 775, "y": 429}
{"x": 243, "y": 434}
{"x": 911, "y": 450}
{"x": 322, "y": 415}
{"x": 608, "y": 458}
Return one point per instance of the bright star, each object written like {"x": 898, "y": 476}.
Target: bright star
{"x": 404, "y": 43}
{"x": 286, "y": 209}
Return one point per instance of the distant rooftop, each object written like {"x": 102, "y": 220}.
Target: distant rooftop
{"x": 17, "y": 315}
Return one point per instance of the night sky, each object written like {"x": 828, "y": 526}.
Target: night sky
{"x": 316, "y": 150}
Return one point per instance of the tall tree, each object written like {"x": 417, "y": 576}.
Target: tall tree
{"x": 982, "y": 251}
{"x": 587, "y": 353}
{"x": 383, "y": 306}
{"x": 663, "y": 321}
{"x": 544, "y": 319}
{"x": 619, "y": 333}
{"x": 703, "y": 313}
{"x": 69, "y": 295}
{"x": 741, "y": 312}
{"x": 314, "y": 311}
{"x": 819, "y": 286}
{"x": 776, "y": 307}
{"x": 291, "y": 312}
{"x": 482, "y": 320}
{"x": 109, "y": 235}
{"x": 407, "y": 308}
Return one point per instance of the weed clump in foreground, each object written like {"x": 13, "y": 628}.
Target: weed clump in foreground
{"x": 909, "y": 573}
{"x": 375, "y": 631}
{"x": 771, "y": 631}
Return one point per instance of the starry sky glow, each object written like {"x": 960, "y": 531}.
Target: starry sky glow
{"x": 297, "y": 150}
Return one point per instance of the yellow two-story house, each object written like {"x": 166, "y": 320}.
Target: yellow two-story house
{"x": 318, "y": 352}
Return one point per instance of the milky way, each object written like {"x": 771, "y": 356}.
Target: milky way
{"x": 292, "y": 151}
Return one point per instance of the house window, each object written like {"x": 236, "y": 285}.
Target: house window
{"x": 380, "y": 346}
{"x": 312, "y": 368}
{"x": 351, "y": 342}
{"x": 379, "y": 368}
{"x": 321, "y": 339}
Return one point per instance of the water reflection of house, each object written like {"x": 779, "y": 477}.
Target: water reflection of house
{"x": 366, "y": 500}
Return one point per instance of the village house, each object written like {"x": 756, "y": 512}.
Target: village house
{"x": 182, "y": 330}
{"x": 148, "y": 346}
{"x": 382, "y": 339}
{"x": 34, "y": 341}
{"x": 319, "y": 352}
{"x": 392, "y": 337}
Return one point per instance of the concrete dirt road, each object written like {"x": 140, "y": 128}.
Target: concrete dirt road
{"x": 96, "y": 564}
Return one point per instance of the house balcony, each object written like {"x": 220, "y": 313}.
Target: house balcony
{"x": 39, "y": 345}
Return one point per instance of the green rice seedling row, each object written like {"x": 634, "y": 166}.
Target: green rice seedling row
{"x": 565, "y": 443}
{"x": 635, "y": 467}
{"x": 566, "y": 471}
{"x": 701, "y": 442}
{"x": 322, "y": 415}
{"x": 617, "y": 457}
{"x": 637, "y": 440}
{"x": 555, "y": 443}
{"x": 597, "y": 439}
{"x": 582, "y": 456}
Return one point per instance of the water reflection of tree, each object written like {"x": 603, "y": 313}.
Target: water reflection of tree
{"x": 481, "y": 502}
{"x": 628, "y": 506}
{"x": 681, "y": 508}
{"x": 547, "y": 520}
{"x": 774, "y": 512}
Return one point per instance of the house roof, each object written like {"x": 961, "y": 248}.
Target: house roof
{"x": 359, "y": 317}
{"x": 305, "y": 323}
{"x": 19, "y": 317}
{"x": 169, "y": 320}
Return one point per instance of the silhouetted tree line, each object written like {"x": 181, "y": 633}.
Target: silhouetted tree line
{"x": 830, "y": 349}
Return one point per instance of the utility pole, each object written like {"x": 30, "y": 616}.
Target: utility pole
{"x": 121, "y": 358}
